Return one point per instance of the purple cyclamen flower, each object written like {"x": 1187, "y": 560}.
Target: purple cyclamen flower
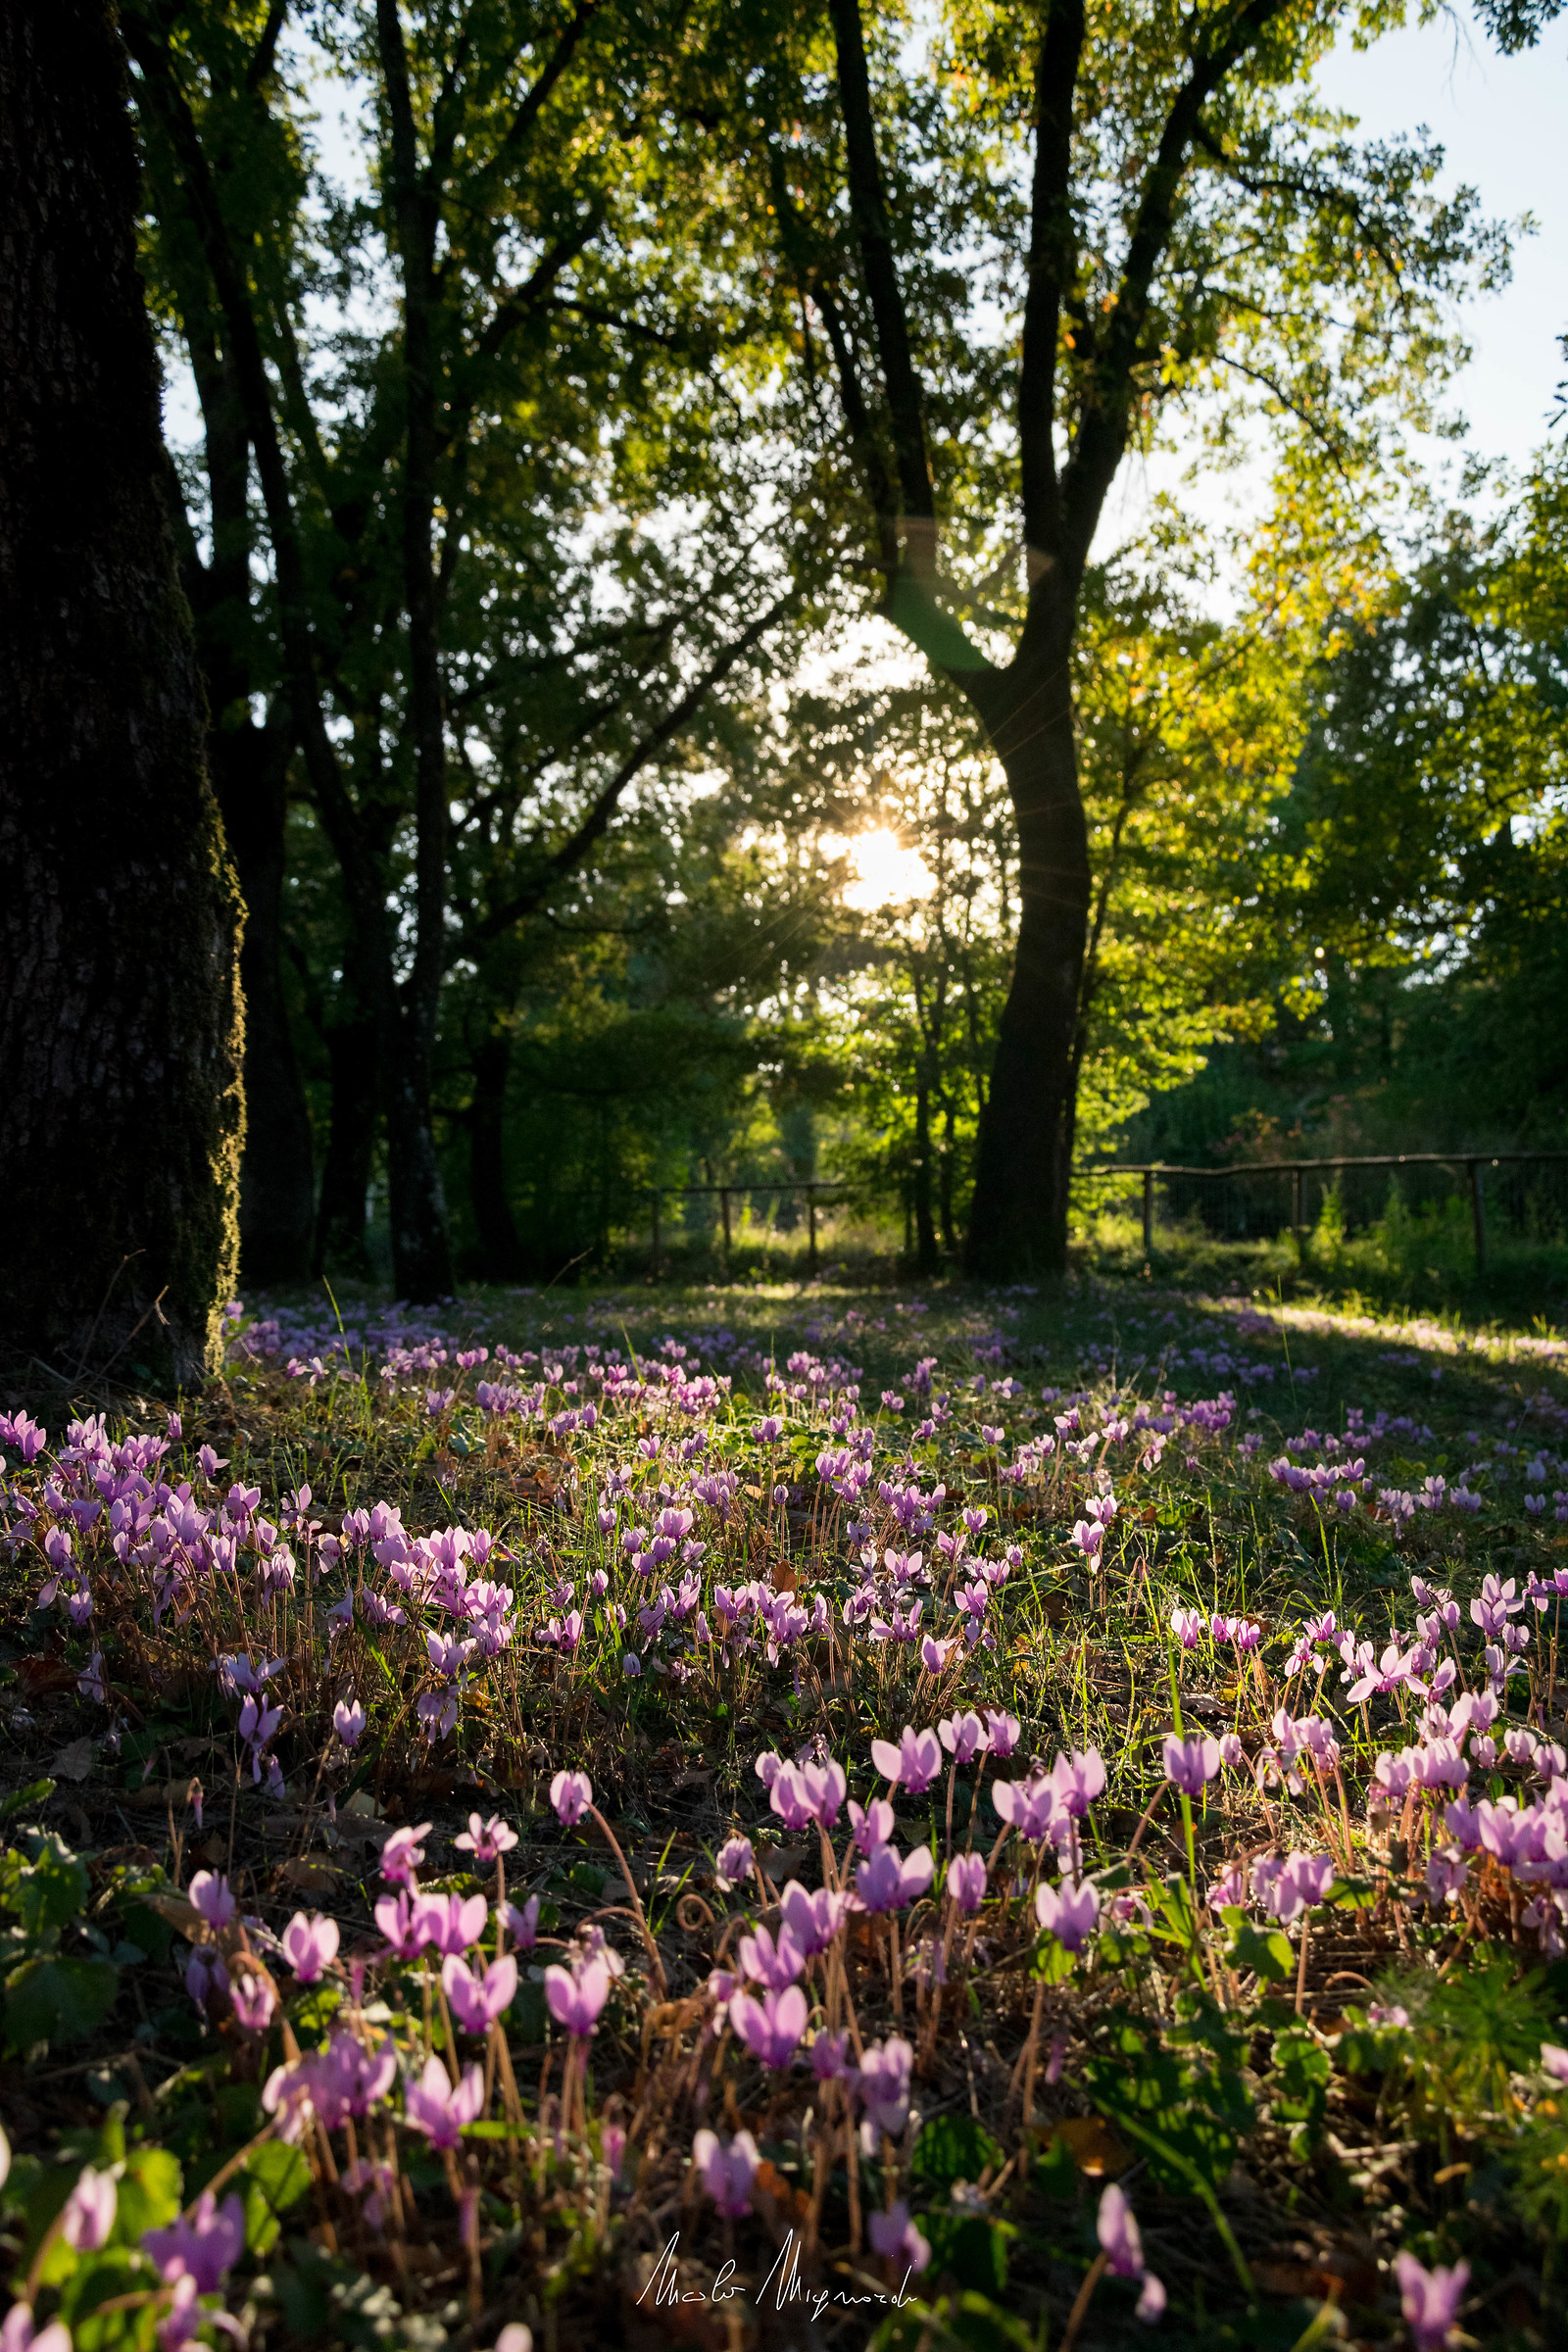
{"x": 887, "y": 1879}
{"x": 438, "y": 2107}
{"x": 1188, "y": 1627}
{"x": 1190, "y": 1763}
{"x": 1554, "y": 2059}
{"x": 201, "y": 2244}
{"x": 576, "y": 1997}
{"x": 966, "y": 1881}
{"x": 524, "y": 1926}
{"x": 89, "y": 2212}
{"x": 476, "y": 2002}
{"x": 771, "y": 2029}
{"x": 254, "y": 2003}
{"x": 812, "y": 1920}
{"x": 310, "y": 1946}
{"x": 451, "y": 1922}
{"x": 894, "y": 2236}
{"x": 1123, "y": 2247}
{"x": 768, "y": 1963}
{"x": 571, "y": 1793}
{"x": 486, "y": 1839}
{"x": 1067, "y": 1912}
{"x": 874, "y": 1826}
{"x": 964, "y": 1737}
{"x": 348, "y": 1721}
{"x": 1430, "y": 2299}
{"x": 735, "y": 1859}
{"x": 18, "y": 2334}
{"x": 727, "y": 2173}
{"x": 1078, "y": 1780}
{"x": 1232, "y": 1754}
{"x": 403, "y": 1853}
{"x": 883, "y": 2082}
{"x": 1004, "y": 1731}
{"x": 914, "y": 1764}
{"x": 209, "y": 1894}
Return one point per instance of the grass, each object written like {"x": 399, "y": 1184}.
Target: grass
{"x": 1288, "y": 2097}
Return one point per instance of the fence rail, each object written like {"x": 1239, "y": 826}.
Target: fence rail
{"x": 1474, "y": 1166}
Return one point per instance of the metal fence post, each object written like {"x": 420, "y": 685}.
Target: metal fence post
{"x": 1149, "y": 1213}
{"x": 810, "y": 1213}
{"x": 1478, "y": 1213}
{"x": 657, "y": 1198}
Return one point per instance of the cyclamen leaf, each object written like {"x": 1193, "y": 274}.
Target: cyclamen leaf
{"x": 54, "y": 2000}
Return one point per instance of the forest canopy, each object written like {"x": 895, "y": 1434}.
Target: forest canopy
{"x": 678, "y": 711}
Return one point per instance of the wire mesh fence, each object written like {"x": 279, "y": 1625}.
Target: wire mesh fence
{"x": 1519, "y": 1195}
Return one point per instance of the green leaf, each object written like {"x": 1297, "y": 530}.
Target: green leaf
{"x": 57, "y": 2001}
{"x": 102, "y": 2277}
{"x": 22, "y": 1801}
{"x": 54, "y": 1891}
{"x": 275, "y": 2176}
{"x": 953, "y": 2147}
{"x": 970, "y": 2245}
{"x": 151, "y": 2194}
{"x": 1266, "y": 1952}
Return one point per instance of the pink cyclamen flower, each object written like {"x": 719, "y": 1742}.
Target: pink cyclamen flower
{"x": 1003, "y": 1732}
{"x": 771, "y": 1964}
{"x": 894, "y": 2236}
{"x": 887, "y": 1879}
{"x": 874, "y": 1826}
{"x": 452, "y": 1921}
{"x": 727, "y": 2173}
{"x": 209, "y": 1894}
{"x": 966, "y": 1881}
{"x": 438, "y": 2107}
{"x": 1554, "y": 2059}
{"x": 476, "y": 2000}
{"x": 576, "y": 1998}
{"x": 254, "y": 2003}
{"x": 19, "y": 2334}
{"x": 524, "y": 1926}
{"x": 1067, "y": 1912}
{"x": 1188, "y": 1627}
{"x": 1430, "y": 2300}
{"x": 406, "y": 1926}
{"x": 571, "y": 1793}
{"x": 1232, "y": 1754}
{"x": 486, "y": 1839}
{"x": 772, "y": 2027}
{"x": 310, "y": 1946}
{"x": 914, "y": 1764}
{"x": 964, "y": 1737}
{"x": 813, "y": 1920}
{"x": 734, "y": 1861}
{"x": 348, "y": 1721}
{"x": 89, "y": 2212}
{"x": 201, "y": 2244}
{"x": 1190, "y": 1763}
{"x": 1123, "y": 2248}
{"x": 403, "y": 1853}
{"x": 1078, "y": 1780}
{"x": 883, "y": 2082}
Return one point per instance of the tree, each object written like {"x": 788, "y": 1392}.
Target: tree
{"x": 444, "y": 386}
{"x": 995, "y": 266}
{"x": 119, "y": 1009}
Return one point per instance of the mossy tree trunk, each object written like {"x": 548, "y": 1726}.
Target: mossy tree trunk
{"x": 120, "y": 1022}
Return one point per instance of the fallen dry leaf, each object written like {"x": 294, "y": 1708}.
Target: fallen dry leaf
{"x": 312, "y": 1873}
{"x": 73, "y": 1763}
{"x": 1092, "y": 2147}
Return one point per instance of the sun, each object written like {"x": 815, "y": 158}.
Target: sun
{"x": 886, "y": 873}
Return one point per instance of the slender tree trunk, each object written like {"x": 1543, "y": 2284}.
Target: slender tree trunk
{"x": 346, "y": 1176}
{"x": 500, "y": 1250}
{"x": 121, "y": 1020}
{"x": 277, "y": 1176}
{"x": 1018, "y": 1220}
{"x": 925, "y": 1232}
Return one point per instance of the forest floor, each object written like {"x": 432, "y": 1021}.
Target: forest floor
{"x": 1189, "y": 1960}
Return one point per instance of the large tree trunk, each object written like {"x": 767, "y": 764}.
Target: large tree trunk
{"x": 119, "y": 1009}
{"x": 346, "y": 1177}
{"x": 277, "y": 1176}
{"x": 1018, "y": 1220}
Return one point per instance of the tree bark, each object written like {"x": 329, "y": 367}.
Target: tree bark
{"x": 1018, "y": 1220}
{"x": 277, "y": 1175}
{"x": 121, "y": 1019}
{"x": 501, "y": 1253}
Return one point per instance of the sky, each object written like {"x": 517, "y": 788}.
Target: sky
{"x": 1503, "y": 122}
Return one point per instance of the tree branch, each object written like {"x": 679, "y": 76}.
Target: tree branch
{"x": 1053, "y": 274}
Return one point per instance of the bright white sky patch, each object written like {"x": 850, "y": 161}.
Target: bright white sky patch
{"x": 886, "y": 873}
